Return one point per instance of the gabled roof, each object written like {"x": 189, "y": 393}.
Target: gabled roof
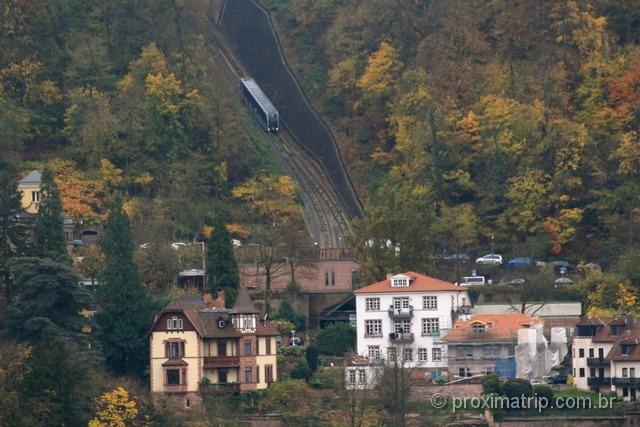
{"x": 419, "y": 283}
{"x": 244, "y": 303}
{"x": 34, "y": 177}
{"x": 498, "y": 327}
{"x": 630, "y": 337}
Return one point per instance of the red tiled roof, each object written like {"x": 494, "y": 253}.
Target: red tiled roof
{"x": 497, "y": 327}
{"x": 419, "y": 283}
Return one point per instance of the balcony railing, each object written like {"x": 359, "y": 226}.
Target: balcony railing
{"x": 220, "y": 387}
{"x": 632, "y": 381}
{"x": 595, "y": 381}
{"x": 401, "y": 338}
{"x": 222, "y": 362}
{"x": 597, "y": 361}
{"x": 401, "y": 313}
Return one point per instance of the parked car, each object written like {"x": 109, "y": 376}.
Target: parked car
{"x": 178, "y": 245}
{"x": 516, "y": 282}
{"x": 561, "y": 267}
{"x": 563, "y": 281}
{"x": 520, "y": 262}
{"x": 591, "y": 266}
{"x": 559, "y": 379}
{"x": 473, "y": 280}
{"x": 145, "y": 246}
{"x": 491, "y": 259}
{"x": 463, "y": 258}
{"x": 537, "y": 381}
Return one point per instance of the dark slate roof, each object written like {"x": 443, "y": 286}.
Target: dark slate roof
{"x": 210, "y": 318}
{"x": 244, "y": 303}
{"x": 34, "y": 177}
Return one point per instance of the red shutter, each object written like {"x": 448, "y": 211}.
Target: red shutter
{"x": 167, "y": 349}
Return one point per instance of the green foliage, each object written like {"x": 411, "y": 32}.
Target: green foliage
{"x": 222, "y": 269}
{"x": 311, "y": 354}
{"x": 12, "y": 229}
{"x": 49, "y": 234}
{"x": 288, "y": 313}
{"x": 301, "y": 371}
{"x": 294, "y": 399}
{"x": 336, "y": 339}
{"x": 327, "y": 379}
{"x": 515, "y": 388}
{"x": 543, "y": 391}
{"x": 491, "y": 384}
{"x": 47, "y": 294}
{"x": 126, "y": 311}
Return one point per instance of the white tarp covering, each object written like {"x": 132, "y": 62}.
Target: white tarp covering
{"x": 534, "y": 355}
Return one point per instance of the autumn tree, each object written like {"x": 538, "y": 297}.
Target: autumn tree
{"x": 114, "y": 408}
{"x": 126, "y": 311}
{"x": 49, "y": 234}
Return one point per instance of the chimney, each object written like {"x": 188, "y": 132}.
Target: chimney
{"x": 389, "y": 276}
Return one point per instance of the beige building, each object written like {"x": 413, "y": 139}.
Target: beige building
{"x": 198, "y": 347}
{"x": 30, "y": 187}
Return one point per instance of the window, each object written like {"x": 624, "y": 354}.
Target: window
{"x": 257, "y": 373}
{"x": 174, "y": 324}
{"x": 625, "y": 392}
{"x": 632, "y": 372}
{"x": 373, "y": 328}
{"x": 400, "y": 282}
{"x": 625, "y": 349}
{"x": 590, "y": 352}
{"x": 362, "y": 376}
{"x": 268, "y": 374}
{"x": 491, "y": 351}
{"x": 374, "y": 351}
{"x": 391, "y": 354}
{"x": 478, "y": 328}
{"x": 268, "y": 349}
{"x": 430, "y": 326}
{"x": 464, "y": 300}
{"x": 592, "y": 372}
{"x": 187, "y": 403}
{"x": 351, "y": 378}
{"x": 625, "y": 372}
{"x": 222, "y": 376}
{"x": 464, "y": 351}
{"x": 400, "y": 302}
{"x": 372, "y": 304}
{"x": 464, "y": 372}
{"x": 333, "y": 277}
{"x": 248, "y": 374}
{"x": 247, "y": 348}
{"x": 430, "y": 303}
{"x": 407, "y": 354}
{"x": 614, "y": 330}
{"x": 35, "y": 196}
{"x": 436, "y": 354}
{"x": 402, "y": 327}
{"x": 173, "y": 376}
{"x": 581, "y": 352}
{"x": 174, "y": 349}
{"x": 581, "y": 372}
{"x": 422, "y": 354}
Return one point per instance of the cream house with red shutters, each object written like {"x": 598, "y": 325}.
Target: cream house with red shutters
{"x": 198, "y": 347}
{"x": 406, "y": 316}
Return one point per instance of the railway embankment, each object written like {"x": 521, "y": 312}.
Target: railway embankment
{"x": 250, "y": 31}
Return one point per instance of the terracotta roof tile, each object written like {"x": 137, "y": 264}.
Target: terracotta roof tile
{"x": 497, "y": 327}
{"x": 419, "y": 283}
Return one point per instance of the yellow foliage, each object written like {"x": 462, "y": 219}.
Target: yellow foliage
{"x": 130, "y": 206}
{"x": 238, "y": 230}
{"x": 628, "y": 153}
{"x": 381, "y": 72}
{"x": 114, "y": 409}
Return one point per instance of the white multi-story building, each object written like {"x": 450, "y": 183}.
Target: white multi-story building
{"x": 404, "y": 318}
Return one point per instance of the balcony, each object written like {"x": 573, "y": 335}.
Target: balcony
{"x": 598, "y": 381}
{"x": 221, "y": 362}
{"x": 625, "y": 381}
{"x": 404, "y": 338}
{"x": 597, "y": 361}
{"x": 400, "y": 313}
{"x": 220, "y": 388}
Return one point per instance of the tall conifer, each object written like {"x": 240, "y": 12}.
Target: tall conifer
{"x": 49, "y": 231}
{"x": 126, "y": 312}
{"x": 222, "y": 269}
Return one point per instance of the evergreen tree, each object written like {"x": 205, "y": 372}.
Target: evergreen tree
{"x": 49, "y": 232}
{"x": 126, "y": 310}
{"x": 12, "y": 229}
{"x": 48, "y": 296}
{"x": 49, "y": 389}
{"x": 222, "y": 269}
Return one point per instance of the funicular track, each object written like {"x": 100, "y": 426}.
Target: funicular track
{"x": 324, "y": 216}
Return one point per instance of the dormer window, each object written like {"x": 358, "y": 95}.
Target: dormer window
{"x": 399, "y": 281}
{"x": 221, "y": 323}
{"x": 478, "y": 328}
{"x": 626, "y": 349}
{"x": 174, "y": 324}
{"x": 614, "y": 330}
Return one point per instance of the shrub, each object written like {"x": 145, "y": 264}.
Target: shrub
{"x": 301, "y": 371}
{"x": 491, "y": 384}
{"x": 311, "y": 354}
{"x": 517, "y": 388}
{"x": 288, "y": 313}
{"x": 293, "y": 287}
{"x": 442, "y": 379}
{"x": 336, "y": 339}
{"x": 544, "y": 391}
{"x": 326, "y": 378}
{"x": 291, "y": 398}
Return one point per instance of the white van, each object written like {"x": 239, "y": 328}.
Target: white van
{"x": 473, "y": 280}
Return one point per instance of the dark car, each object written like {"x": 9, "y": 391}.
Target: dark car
{"x": 461, "y": 257}
{"x": 520, "y": 262}
{"x": 559, "y": 379}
